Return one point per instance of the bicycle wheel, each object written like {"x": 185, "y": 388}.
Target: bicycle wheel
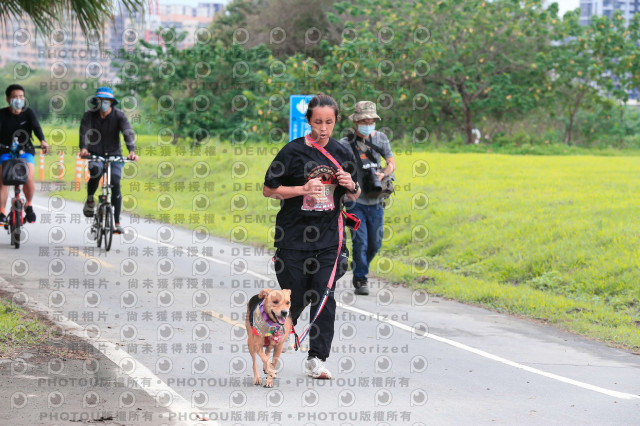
{"x": 15, "y": 225}
{"x": 98, "y": 225}
{"x": 108, "y": 227}
{"x": 11, "y": 227}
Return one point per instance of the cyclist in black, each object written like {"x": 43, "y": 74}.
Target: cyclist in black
{"x": 18, "y": 120}
{"x": 100, "y": 130}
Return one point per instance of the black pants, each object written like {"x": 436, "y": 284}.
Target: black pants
{"x": 95, "y": 173}
{"x": 306, "y": 274}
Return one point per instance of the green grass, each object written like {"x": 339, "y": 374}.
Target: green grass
{"x": 18, "y": 329}
{"x": 554, "y": 238}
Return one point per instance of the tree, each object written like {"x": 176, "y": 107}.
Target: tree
{"x": 198, "y": 92}
{"x": 90, "y": 14}
{"x": 485, "y": 53}
{"x": 286, "y": 27}
{"x": 592, "y": 64}
{"x": 428, "y": 63}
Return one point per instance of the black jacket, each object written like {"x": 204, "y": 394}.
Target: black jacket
{"x": 101, "y": 136}
{"x": 20, "y": 125}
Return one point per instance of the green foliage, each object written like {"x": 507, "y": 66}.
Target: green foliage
{"x": 286, "y": 27}
{"x": 552, "y": 237}
{"x": 197, "y": 92}
{"x": 436, "y": 71}
{"x": 591, "y": 65}
{"x": 18, "y": 329}
{"x": 46, "y": 14}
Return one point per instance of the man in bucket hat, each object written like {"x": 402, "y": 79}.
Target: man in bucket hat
{"x": 368, "y": 146}
{"x": 100, "y": 130}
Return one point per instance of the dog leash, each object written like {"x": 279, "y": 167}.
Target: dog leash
{"x": 323, "y": 301}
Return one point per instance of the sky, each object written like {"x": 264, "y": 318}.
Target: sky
{"x": 564, "y": 5}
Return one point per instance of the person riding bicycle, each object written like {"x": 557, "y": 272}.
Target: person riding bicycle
{"x": 100, "y": 130}
{"x": 18, "y": 120}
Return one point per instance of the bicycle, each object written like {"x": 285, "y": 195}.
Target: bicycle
{"x": 103, "y": 224}
{"x": 16, "y": 174}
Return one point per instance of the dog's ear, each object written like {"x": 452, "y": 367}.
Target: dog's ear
{"x": 287, "y": 292}
{"x": 264, "y": 293}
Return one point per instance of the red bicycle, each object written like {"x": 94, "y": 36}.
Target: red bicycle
{"x": 15, "y": 171}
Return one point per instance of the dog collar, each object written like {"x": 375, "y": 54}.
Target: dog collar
{"x": 261, "y": 324}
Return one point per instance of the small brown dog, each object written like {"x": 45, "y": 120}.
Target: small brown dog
{"x": 268, "y": 326}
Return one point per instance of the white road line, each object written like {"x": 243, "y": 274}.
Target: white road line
{"x": 209, "y": 258}
{"x": 583, "y": 385}
{"x": 484, "y": 354}
{"x": 162, "y": 393}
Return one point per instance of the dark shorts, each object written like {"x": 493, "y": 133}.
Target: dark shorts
{"x": 96, "y": 167}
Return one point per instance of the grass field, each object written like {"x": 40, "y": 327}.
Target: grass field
{"x": 553, "y": 238}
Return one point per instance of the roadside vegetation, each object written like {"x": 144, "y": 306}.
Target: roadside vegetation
{"x": 549, "y": 237}
{"x": 538, "y": 218}
{"x": 19, "y": 329}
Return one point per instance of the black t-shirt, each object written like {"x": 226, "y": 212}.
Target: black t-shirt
{"x": 20, "y": 125}
{"x": 309, "y": 222}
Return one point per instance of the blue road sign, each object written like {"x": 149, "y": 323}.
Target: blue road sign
{"x": 298, "y": 125}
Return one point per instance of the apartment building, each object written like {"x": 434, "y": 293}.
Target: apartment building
{"x": 66, "y": 51}
{"x": 589, "y": 8}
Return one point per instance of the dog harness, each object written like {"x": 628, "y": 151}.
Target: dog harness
{"x": 261, "y": 325}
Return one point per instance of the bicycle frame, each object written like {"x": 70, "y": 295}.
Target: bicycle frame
{"x": 106, "y": 183}
{"x": 103, "y": 225}
{"x": 15, "y": 218}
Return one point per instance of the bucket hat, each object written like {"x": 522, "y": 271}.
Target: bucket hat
{"x": 106, "y": 93}
{"x": 364, "y": 110}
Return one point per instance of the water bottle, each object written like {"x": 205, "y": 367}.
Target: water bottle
{"x": 14, "y": 145}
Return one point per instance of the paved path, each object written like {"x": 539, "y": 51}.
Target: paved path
{"x": 165, "y": 307}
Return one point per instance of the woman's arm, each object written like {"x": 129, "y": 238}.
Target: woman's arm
{"x": 345, "y": 179}
{"x": 314, "y": 186}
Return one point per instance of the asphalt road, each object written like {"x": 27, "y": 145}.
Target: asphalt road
{"x": 166, "y": 305}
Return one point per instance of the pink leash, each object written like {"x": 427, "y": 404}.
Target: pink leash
{"x": 305, "y": 332}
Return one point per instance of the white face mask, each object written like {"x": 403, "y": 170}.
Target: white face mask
{"x": 16, "y": 103}
{"x": 366, "y": 129}
{"x": 105, "y": 105}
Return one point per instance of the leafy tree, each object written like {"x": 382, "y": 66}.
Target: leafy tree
{"x": 286, "y": 27}
{"x": 592, "y": 64}
{"x": 428, "y": 63}
{"x": 441, "y": 67}
{"x": 90, "y": 14}
{"x": 485, "y": 53}
{"x": 198, "y": 90}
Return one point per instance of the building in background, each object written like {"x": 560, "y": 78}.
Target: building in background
{"x": 67, "y": 53}
{"x": 589, "y": 8}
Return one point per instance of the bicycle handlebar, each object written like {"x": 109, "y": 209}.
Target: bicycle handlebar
{"x": 110, "y": 158}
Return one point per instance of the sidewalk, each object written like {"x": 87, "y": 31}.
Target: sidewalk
{"x": 66, "y": 381}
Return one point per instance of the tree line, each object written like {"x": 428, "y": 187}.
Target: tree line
{"x": 437, "y": 70}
